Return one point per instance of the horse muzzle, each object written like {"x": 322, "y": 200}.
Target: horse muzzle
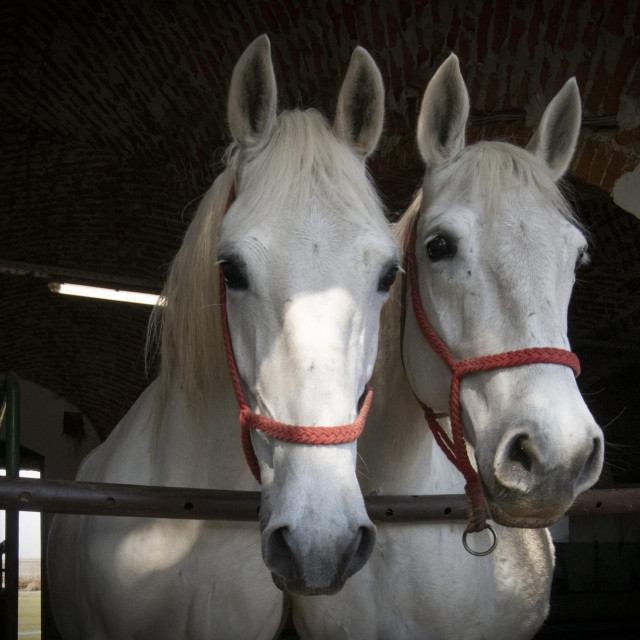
{"x": 304, "y": 563}
{"x": 532, "y": 481}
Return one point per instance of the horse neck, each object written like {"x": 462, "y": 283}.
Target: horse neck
{"x": 397, "y": 449}
{"x": 202, "y": 451}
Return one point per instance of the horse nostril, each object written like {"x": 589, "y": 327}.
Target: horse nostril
{"x": 361, "y": 549}
{"x": 517, "y": 462}
{"x": 521, "y": 454}
{"x": 367, "y": 542}
{"x": 279, "y": 557}
{"x": 591, "y": 468}
{"x": 596, "y": 453}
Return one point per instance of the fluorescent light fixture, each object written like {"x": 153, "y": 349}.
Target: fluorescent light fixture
{"x": 117, "y": 295}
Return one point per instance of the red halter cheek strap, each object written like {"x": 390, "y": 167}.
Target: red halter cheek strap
{"x": 286, "y": 432}
{"x": 455, "y": 447}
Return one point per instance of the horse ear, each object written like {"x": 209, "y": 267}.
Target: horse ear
{"x": 443, "y": 114}
{"x": 556, "y": 137}
{"x": 251, "y": 109}
{"x": 360, "y": 110}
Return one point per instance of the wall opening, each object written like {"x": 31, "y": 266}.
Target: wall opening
{"x": 30, "y": 567}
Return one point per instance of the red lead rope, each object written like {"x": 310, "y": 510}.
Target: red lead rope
{"x": 455, "y": 447}
{"x": 286, "y": 432}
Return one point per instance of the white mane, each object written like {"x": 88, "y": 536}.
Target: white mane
{"x": 495, "y": 166}
{"x": 301, "y": 158}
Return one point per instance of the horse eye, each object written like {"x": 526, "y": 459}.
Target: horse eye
{"x": 440, "y": 247}
{"x": 233, "y": 276}
{"x": 387, "y": 279}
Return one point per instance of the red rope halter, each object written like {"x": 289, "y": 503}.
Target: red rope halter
{"x": 286, "y": 432}
{"x": 455, "y": 447}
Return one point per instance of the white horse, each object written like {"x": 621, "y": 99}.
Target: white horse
{"x": 496, "y": 248}
{"x": 308, "y": 260}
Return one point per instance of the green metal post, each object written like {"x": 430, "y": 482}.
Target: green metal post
{"x": 12, "y": 452}
{"x": 13, "y": 425}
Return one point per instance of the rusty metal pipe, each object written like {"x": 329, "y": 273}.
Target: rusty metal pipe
{"x": 60, "y": 496}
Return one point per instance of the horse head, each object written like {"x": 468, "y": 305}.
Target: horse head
{"x": 496, "y": 248}
{"x": 308, "y": 261}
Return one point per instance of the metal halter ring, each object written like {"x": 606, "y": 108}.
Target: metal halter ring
{"x": 473, "y": 552}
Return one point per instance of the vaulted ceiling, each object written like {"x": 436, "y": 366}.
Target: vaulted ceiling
{"x": 113, "y": 124}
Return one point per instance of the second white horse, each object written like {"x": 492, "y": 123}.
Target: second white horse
{"x": 496, "y": 249}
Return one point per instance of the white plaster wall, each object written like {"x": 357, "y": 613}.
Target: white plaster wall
{"x": 626, "y": 192}
{"x": 41, "y": 415}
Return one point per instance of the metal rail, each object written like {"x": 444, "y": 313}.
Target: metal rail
{"x": 92, "y": 498}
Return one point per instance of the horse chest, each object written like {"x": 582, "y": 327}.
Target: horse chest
{"x": 421, "y": 584}
{"x": 165, "y": 579}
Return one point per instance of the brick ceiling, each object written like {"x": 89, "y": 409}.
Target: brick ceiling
{"x": 113, "y": 123}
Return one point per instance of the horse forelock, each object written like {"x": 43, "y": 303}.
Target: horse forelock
{"x": 302, "y": 159}
{"x": 493, "y": 168}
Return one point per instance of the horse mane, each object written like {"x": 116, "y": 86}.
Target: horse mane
{"x": 301, "y": 156}
{"x": 494, "y": 165}
{"x": 498, "y": 166}
{"x": 184, "y": 329}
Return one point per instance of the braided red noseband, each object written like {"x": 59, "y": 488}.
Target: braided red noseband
{"x": 455, "y": 448}
{"x": 286, "y": 432}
